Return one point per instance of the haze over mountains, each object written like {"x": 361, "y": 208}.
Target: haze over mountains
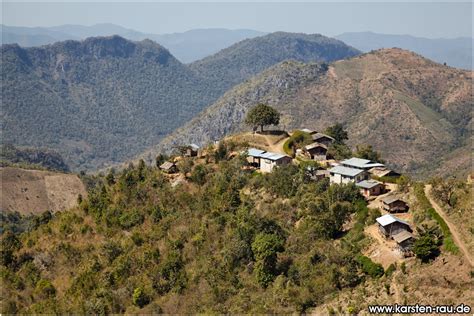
{"x": 455, "y": 52}
{"x": 104, "y": 100}
{"x": 411, "y": 109}
{"x": 186, "y": 46}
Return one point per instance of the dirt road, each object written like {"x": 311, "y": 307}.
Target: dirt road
{"x": 456, "y": 236}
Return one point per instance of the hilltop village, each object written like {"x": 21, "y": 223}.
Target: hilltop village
{"x": 375, "y": 181}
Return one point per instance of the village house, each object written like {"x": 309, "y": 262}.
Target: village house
{"x": 266, "y": 161}
{"x": 168, "y": 167}
{"x": 321, "y": 138}
{"x": 371, "y": 188}
{"x": 308, "y": 131}
{"x": 192, "y": 150}
{"x": 359, "y": 163}
{"x": 344, "y": 175}
{"x": 393, "y": 204}
{"x": 404, "y": 240}
{"x": 390, "y": 225}
{"x": 383, "y": 172}
{"x": 316, "y": 151}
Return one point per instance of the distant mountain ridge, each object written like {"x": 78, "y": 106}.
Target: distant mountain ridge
{"x": 104, "y": 100}
{"x": 411, "y": 109}
{"x": 456, "y": 52}
{"x": 186, "y": 46}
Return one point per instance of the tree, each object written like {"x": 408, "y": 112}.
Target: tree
{"x": 367, "y": 152}
{"x": 426, "y": 248}
{"x": 339, "y": 151}
{"x": 337, "y": 132}
{"x": 265, "y": 248}
{"x": 262, "y": 115}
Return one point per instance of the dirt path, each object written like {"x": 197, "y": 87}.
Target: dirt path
{"x": 278, "y": 147}
{"x": 452, "y": 228}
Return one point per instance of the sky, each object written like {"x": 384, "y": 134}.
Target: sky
{"x": 432, "y": 19}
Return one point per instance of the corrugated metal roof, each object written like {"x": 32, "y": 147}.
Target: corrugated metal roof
{"x": 314, "y": 145}
{"x": 320, "y": 135}
{"x": 166, "y": 165}
{"x": 361, "y": 163}
{"x": 345, "y": 171}
{"x": 254, "y": 152}
{"x": 390, "y": 199}
{"x": 367, "y": 184}
{"x": 388, "y": 219}
{"x": 309, "y": 131}
{"x": 272, "y": 156}
{"x": 402, "y": 236}
{"x": 194, "y": 146}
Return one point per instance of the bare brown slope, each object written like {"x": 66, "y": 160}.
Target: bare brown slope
{"x": 35, "y": 191}
{"x": 410, "y": 108}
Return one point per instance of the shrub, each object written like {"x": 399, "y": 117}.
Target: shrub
{"x": 139, "y": 298}
{"x": 369, "y": 267}
{"x": 426, "y": 248}
{"x": 45, "y": 289}
{"x": 391, "y": 268}
{"x": 130, "y": 219}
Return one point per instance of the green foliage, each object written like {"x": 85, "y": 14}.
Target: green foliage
{"x": 44, "y": 288}
{"x": 284, "y": 180}
{"x": 337, "y": 132}
{"x": 367, "y": 152}
{"x": 403, "y": 183}
{"x": 339, "y": 151}
{"x": 369, "y": 267}
{"x": 265, "y": 248}
{"x": 391, "y": 268}
{"x": 139, "y": 298}
{"x": 131, "y": 218}
{"x": 426, "y": 248}
{"x": 297, "y": 140}
{"x": 199, "y": 174}
{"x": 262, "y": 115}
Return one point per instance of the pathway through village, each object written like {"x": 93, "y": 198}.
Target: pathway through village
{"x": 456, "y": 236}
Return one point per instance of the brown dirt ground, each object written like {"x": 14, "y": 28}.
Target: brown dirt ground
{"x": 35, "y": 191}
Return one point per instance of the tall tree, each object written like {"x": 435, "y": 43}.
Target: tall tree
{"x": 337, "y": 132}
{"x": 262, "y": 115}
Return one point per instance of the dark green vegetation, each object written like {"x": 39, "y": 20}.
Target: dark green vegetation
{"x": 242, "y": 60}
{"x": 105, "y": 100}
{"x": 31, "y": 158}
{"x": 232, "y": 242}
{"x": 446, "y": 238}
{"x": 297, "y": 140}
{"x": 398, "y": 102}
{"x": 262, "y": 115}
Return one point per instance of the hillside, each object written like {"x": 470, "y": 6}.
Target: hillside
{"x": 36, "y": 191}
{"x": 455, "y": 52}
{"x": 185, "y": 46}
{"x": 104, "y": 100}
{"x": 224, "y": 239}
{"x": 32, "y": 158}
{"x": 242, "y": 60}
{"x": 98, "y": 101}
{"x": 409, "y": 108}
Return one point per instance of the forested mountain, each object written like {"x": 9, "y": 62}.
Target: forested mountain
{"x": 186, "y": 46}
{"x": 105, "y": 100}
{"x": 96, "y": 101}
{"x": 455, "y": 52}
{"x": 411, "y": 109}
{"x": 249, "y": 57}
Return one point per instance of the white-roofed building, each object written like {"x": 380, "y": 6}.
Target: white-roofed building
{"x": 344, "y": 175}
{"x": 266, "y": 161}
{"x": 390, "y": 225}
{"x": 359, "y": 163}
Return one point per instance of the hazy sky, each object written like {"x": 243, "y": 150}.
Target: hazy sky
{"x": 427, "y": 19}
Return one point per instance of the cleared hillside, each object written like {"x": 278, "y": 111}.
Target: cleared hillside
{"x": 411, "y": 109}
{"x": 36, "y": 191}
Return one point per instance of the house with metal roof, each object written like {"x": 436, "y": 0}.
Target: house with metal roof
{"x": 309, "y": 131}
{"x": 404, "y": 240}
{"x": 383, "y": 172}
{"x": 390, "y": 225}
{"x": 360, "y": 163}
{"x": 393, "y": 204}
{"x": 370, "y": 188}
{"x": 322, "y": 139}
{"x": 344, "y": 175}
{"x": 316, "y": 151}
{"x": 265, "y": 160}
